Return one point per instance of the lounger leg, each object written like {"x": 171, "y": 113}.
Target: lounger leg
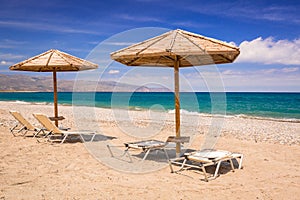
{"x": 127, "y": 152}
{"x": 93, "y": 137}
{"x": 37, "y": 133}
{"x": 217, "y": 170}
{"x": 231, "y": 164}
{"x": 110, "y": 151}
{"x": 81, "y": 138}
{"x": 21, "y": 129}
{"x": 181, "y": 167}
{"x": 12, "y": 129}
{"x": 167, "y": 156}
{"x": 25, "y": 133}
{"x": 146, "y": 154}
{"x": 239, "y": 158}
{"x": 205, "y": 175}
{"x": 148, "y": 151}
{"x": 46, "y": 136}
{"x": 64, "y": 138}
{"x": 241, "y": 161}
{"x": 49, "y": 133}
{"x": 170, "y": 165}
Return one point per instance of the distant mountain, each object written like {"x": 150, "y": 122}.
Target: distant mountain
{"x": 45, "y": 84}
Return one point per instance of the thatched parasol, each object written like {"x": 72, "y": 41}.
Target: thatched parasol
{"x": 177, "y": 49}
{"x": 54, "y": 61}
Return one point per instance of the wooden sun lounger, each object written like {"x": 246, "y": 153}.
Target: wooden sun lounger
{"x": 149, "y": 145}
{"x": 202, "y": 159}
{"x": 59, "y": 135}
{"x": 23, "y": 125}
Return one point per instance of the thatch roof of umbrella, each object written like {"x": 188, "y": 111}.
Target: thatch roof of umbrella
{"x": 54, "y": 61}
{"x": 192, "y": 49}
{"x": 177, "y": 49}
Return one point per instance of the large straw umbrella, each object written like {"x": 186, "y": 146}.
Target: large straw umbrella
{"x": 54, "y": 61}
{"x": 177, "y": 49}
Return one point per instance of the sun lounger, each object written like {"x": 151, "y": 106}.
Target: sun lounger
{"x": 204, "y": 158}
{"x": 55, "y": 134}
{"x": 23, "y": 125}
{"x": 147, "y": 146}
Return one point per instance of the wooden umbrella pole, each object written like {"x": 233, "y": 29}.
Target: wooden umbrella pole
{"x": 55, "y": 97}
{"x": 177, "y": 104}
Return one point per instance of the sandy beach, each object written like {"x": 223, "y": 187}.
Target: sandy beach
{"x": 41, "y": 170}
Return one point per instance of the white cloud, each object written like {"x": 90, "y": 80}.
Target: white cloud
{"x": 269, "y": 51}
{"x": 139, "y": 18}
{"x": 231, "y": 72}
{"x": 45, "y": 27}
{"x": 268, "y": 79}
{"x": 10, "y": 44}
{"x": 277, "y": 12}
{"x": 280, "y": 70}
{"x": 8, "y": 59}
{"x": 10, "y": 56}
{"x": 267, "y": 71}
{"x": 120, "y": 43}
{"x": 290, "y": 69}
{"x": 114, "y": 71}
{"x": 5, "y": 63}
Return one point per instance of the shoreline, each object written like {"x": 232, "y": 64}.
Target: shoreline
{"x": 274, "y": 106}
{"x": 182, "y": 111}
{"x": 273, "y": 131}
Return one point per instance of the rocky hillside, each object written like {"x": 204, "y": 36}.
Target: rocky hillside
{"x": 44, "y": 84}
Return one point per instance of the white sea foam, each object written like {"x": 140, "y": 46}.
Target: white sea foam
{"x": 30, "y": 103}
{"x": 268, "y": 118}
{"x": 40, "y": 103}
{"x": 20, "y": 102}
{"x": 184, "y": 112}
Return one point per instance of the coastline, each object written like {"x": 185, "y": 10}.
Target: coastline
{"x": 283, "y": 106}
{"x": 276, "y": 131}
{"x": 182, "y": 111}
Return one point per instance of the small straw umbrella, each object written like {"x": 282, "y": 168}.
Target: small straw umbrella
{"x": 54, "y": 61}
{"x": 177, "y": 48}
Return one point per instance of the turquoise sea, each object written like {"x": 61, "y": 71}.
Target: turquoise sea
{"x": 267, "y": 105}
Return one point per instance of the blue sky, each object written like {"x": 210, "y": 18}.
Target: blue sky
{"x": 267, "y": 32}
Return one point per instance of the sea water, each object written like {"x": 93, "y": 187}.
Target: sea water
{"x": 267, "y": 105}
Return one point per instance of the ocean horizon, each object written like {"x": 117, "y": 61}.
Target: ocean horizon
{"x": 273, "y": 105}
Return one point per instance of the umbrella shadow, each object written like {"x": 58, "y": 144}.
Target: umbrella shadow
{"x": 84, "y": 138}
{"x": 157, "y": 155}
{"x": 97, "y": 137}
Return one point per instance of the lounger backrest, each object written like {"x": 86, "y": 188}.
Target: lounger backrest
{"x": 182, "y": 139}
{"x": 45, "y": 121}
{"x": 208, "y": 155}
{"x": 22, "y": 120}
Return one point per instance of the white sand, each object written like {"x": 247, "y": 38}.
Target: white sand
{"x": 32, "y": 170}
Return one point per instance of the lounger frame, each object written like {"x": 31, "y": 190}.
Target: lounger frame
{"x": 187, "y": 162}
{"x": 24, "y": 125}
{"x": 147, "y": 146}
{"x": 54, "y": 131}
